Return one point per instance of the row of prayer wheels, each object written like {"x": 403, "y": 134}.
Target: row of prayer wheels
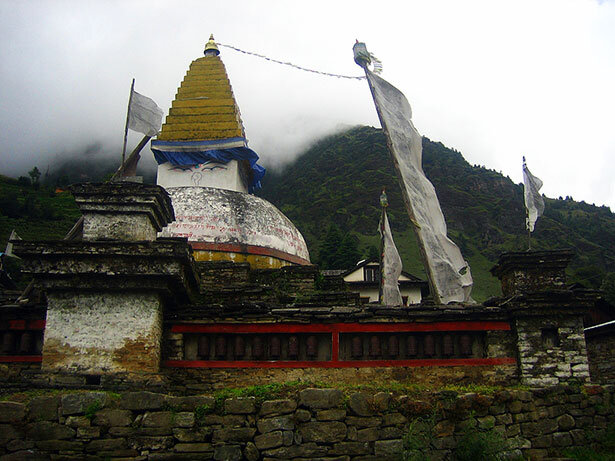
{"x": 359, "y": 346}
{"x": 262, "y": 348}
{"x": 415, "y": 345}
{"x": 19, "y": 343}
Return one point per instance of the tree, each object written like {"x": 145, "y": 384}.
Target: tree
{"x": 35, "y": 175}
{"x": 329, "y": 247}
{"x": 373, "y": 253}
{"x": 608, "y": 287}
{"x": 348, "y": 253}
{"x": 9, "y": 206}
{"x": 24, "y": 182}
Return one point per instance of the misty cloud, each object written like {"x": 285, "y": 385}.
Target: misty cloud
{"x": 495, "y": 80}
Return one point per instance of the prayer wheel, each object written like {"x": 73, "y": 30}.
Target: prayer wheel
{"x": 465, "y": 344}
{"x": 293, "y": 347}
{"x": 257, "y": 347}
{"x": 448, "y": 348}
{"x": 312, "y": 347}
{"x": 357, "y": 347}
{"x": 220, "y": 347}
{"x": 8, "y": 342}
{"x": 411, "y": 346}
{"x": 25, "y": 343}
{"x": 429, "y": 346}
{"x": 393, "y": 346}
{"x": 203, "y": 346}
{"x": 274, "y": 347}
{"x": 240, "y": 346}
{"x": 38, "y": 344}
{"x": 374, "y": 346}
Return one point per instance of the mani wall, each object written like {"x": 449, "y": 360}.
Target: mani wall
{"x": 311, "y": 423}
{"x": 123, "y": 305}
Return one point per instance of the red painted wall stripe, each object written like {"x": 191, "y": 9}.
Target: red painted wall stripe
{"x": 17, "y": 324}
{"x": 21, "y": 358}
{"x": 338, "y": 327}
{"x": 249, "y": 249}
{"x": 341, "y": 364}
{"x": 36, "y": 324}
{"x": 26, "y": 324}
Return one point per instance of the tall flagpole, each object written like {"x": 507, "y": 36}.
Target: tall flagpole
{"x": 383, "y": 203}
{"x": 132, "y": 87}
{"x": 527, "y": 216}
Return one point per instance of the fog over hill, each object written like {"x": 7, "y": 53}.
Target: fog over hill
{"x": 338, "y": 181}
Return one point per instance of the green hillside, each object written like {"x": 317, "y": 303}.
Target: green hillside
{"x": 35, "y": 213}
{"x": 339, "y": 179}
{"x": 333, "y": 189}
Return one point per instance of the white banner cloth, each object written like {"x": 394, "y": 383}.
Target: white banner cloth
{"x": 144, "y": 115}
{"x": 533, "y": 199}
{"x": 391, "y": 267}
{"x": 449, "y": 272}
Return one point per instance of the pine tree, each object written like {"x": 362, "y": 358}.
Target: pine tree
{"x": 329, "y": 247}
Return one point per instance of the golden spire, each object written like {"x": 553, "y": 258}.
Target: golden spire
{"x": 211, "y": 49}
{"x": 204, "y": 107}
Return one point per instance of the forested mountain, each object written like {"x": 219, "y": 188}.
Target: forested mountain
{"x": 340, "y": 178}
{"x": 331, "y": 193}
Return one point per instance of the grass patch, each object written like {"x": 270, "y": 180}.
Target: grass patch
{"x": 91, "y": 410}
{"x": 603, "y": 447}
{"x": 201, "y": 411}
{"x": 482, "y": 445}
{"x": 417, "y": 441}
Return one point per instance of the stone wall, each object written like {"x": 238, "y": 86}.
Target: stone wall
{"x": 306, "y": 424}
{"x": 191, "y": 380}
{"x": 600, "y": 346}
{"x": 551, "y": 350}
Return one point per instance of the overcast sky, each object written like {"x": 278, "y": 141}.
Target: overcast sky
{"x": 493, "y": 79}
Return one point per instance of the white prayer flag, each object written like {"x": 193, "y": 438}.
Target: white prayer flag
{"x": 144, "y": 115}
{"x": 391, "y": 266}
{"x": 9, "y": 245}
{"x": 449, "y": 273}
{"x": 534, "y": 203}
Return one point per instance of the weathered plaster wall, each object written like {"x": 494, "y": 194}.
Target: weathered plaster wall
{"x": 308, "y": 424}
{"x": 217, "y": 216}
{"x": 103, "y": 332}
{"x": 218, "y": 175}
{"x": 118, "y": 227}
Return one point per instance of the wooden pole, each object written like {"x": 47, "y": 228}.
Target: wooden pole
{"x": 381, "y": 262}
{"x": 132, "y": 88}
{"x": 132, "y": 159}
{"x": 529, "y": 233}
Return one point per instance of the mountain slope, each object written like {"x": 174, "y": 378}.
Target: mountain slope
{"x": 339, "y": 179}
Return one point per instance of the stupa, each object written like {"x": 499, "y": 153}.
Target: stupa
{"x": 209, "y": 171}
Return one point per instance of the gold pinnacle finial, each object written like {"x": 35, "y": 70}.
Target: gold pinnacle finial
{"x": 211, "y": 49}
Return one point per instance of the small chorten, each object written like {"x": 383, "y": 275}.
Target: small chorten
{"x": 207, "y": 168}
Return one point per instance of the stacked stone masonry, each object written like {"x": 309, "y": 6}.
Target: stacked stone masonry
{"x": 600, "y": 348}
{"x": 322, "y": 424}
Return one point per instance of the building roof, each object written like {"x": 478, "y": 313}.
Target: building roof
{"x": 204, "y": 107}
{"x": 365, "y": 262}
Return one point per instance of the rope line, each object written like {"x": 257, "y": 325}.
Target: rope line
{"x": 290, "y": 64}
